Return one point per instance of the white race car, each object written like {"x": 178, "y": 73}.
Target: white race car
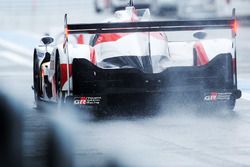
{"x": 131, "y": 63}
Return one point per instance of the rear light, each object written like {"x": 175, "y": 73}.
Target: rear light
{"x": 67, "y": 32}
{"x": 235, "y": 26}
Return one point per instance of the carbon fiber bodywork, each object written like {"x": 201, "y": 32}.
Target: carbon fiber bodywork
{"x": 132, "y": 87}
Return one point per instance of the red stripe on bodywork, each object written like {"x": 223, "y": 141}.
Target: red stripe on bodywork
{"x": 64, "y": 73}
{"x": 202, "y": 58}
{"x": 64, "y": 78}
{"x": 80, "y": 39}
{"x": 92, "y": 55}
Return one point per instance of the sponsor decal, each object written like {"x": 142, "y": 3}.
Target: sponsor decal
{"x": 215, "y": 96}
{"x": 87, "y": 101}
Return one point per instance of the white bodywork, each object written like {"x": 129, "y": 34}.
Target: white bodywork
{"x": 182, "y": 52}
{"x": 131, "y": 45}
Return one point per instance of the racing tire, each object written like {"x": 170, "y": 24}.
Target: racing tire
{"x": 195, "y": 58}
{"x": 230, "y": 105}
{"x": 60, "y": 93}
{"x": 36, "y": 81}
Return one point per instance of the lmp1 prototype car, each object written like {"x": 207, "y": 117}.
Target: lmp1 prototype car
{"x": 130, "y": 62}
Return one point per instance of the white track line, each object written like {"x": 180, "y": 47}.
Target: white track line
{"x": 16, "y": 58}
{"x": 16, "y": 48}
{"x": 10, "y": 74}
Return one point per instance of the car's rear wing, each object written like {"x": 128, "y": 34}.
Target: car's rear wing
{"x": 151, "y": 26}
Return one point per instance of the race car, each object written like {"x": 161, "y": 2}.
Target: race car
{"x": 131, "y": 63}
{"x": 114, "y": 5}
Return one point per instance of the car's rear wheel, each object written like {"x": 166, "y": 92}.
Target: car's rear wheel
{"x": 231, "y": 105}
{"x": 60, "y": 93}
{"x": 195, "y": 57}
{"x": 36, "y": 81}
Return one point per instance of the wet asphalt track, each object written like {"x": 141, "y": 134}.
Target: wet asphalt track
{"x": 183, "y": 138}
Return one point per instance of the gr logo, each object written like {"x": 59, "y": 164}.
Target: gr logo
{"x": 212, "y": 97}
{"x": 81, "y": 101}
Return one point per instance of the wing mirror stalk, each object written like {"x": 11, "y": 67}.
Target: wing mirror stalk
{"x": 47, "y": 40}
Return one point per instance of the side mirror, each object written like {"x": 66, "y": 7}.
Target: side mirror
{"x": 200, "y": 35}
{"x": 47, "y": 40}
